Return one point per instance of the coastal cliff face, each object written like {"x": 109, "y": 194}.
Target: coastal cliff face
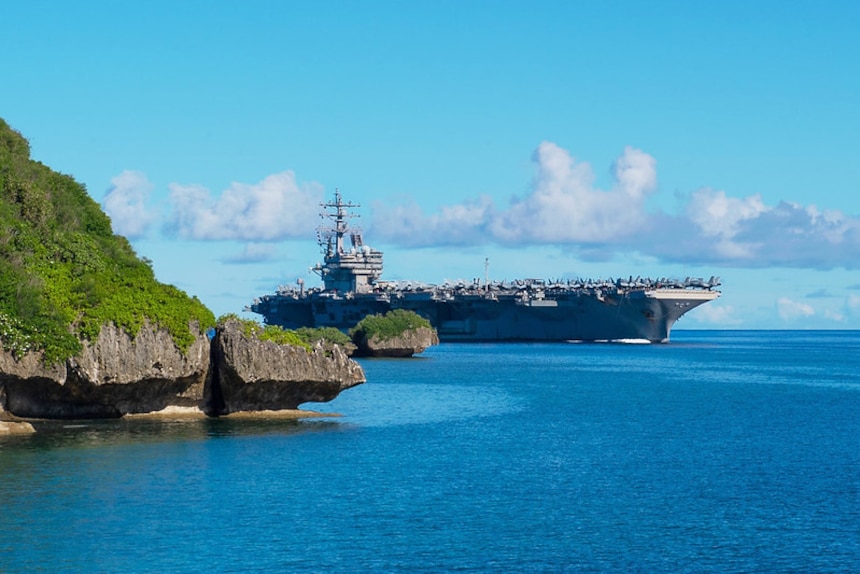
{"x": 119, "y": 374}
{"x": 116, "y": 374}
{"x": 71, "y": 291}
{"x": 253, "y": 375}
{"x": 408, "y": 343}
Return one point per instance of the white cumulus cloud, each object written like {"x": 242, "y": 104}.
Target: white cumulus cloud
{"x": 719, "y": 217}
{"x": 790, "y": 310}
{"x": 834, "y": 315}
{"x": 789, "y": 234}
{"x": 564, "y": 207}
{"x": 273, "y": 209}
{"x": 716, "y": 314}
{"x": 460, "y": 224}
{"x": 125, "y": 204}
{"x": 635, "y": 173}
{"x": 252, "y": 253}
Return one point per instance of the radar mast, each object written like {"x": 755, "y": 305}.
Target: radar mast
{"x": 330, "y": 239}
{"x": 354, "y": 270}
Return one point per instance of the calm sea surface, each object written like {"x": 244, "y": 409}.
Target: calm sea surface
{"x": 720, "y": 452}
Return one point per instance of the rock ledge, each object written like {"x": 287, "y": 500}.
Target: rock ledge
{"x": 119, "y": 374}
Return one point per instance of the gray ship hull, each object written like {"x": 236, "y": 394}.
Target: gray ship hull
{"x": 523, "y": 310}
{"x": 626, "y": 315}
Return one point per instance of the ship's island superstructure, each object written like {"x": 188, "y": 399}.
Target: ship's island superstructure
{"x": 633, "y": 309}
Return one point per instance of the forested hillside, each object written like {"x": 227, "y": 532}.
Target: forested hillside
{"x": 63, "y": 273}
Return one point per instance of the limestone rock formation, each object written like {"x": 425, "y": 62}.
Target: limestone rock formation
{"x": 252, "y": 375}
{"x": 114, "y": 375}
{"x": 8, "y": 427}
{"x": 117, "y": 375}
{"x": 408, "y": 343}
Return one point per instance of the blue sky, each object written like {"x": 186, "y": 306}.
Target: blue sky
{"x": 558, "y": 139}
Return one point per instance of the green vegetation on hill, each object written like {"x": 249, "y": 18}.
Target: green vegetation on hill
{"x": 63, "y": 273}
{"x": 305, "y": 337}
{"x": 392, "y": 324}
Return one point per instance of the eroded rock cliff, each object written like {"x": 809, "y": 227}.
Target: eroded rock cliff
{"x": 119, "y": 374}
{"x": 253, "y": 375}
{"x": 115, "y": 375}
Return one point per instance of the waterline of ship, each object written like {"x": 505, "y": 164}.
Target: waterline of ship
{"x": 623, "y": 309}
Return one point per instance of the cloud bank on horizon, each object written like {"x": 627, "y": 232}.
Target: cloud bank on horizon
{"x": 563, "y": 207}
{"x": 274, "y": 209}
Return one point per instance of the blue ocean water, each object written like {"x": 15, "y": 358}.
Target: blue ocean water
{"x": 720, "y": 452}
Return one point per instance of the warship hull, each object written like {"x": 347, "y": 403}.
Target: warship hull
{"x": 634, "y": 315}
{"x": 522, "y": 310}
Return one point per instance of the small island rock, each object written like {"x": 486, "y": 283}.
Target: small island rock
{"x": 406, "y": 344}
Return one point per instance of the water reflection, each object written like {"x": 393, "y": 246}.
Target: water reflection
{"x": 101, "y": 433}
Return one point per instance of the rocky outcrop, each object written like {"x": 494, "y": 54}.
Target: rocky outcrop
{"x": 115, "y": 375}
{"x": 119, "y": 374}
{"x": 408, "y": 343}
{"x": 8, "y": 427}
{"x": 253, "y": 375}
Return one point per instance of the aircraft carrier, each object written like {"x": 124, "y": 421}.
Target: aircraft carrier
{"x": 617, "y": 310}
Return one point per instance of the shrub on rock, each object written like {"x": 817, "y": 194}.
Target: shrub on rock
{"x": 398, "y": 333}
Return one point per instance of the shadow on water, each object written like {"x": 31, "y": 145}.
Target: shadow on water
{"x": 114, "y": 432}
